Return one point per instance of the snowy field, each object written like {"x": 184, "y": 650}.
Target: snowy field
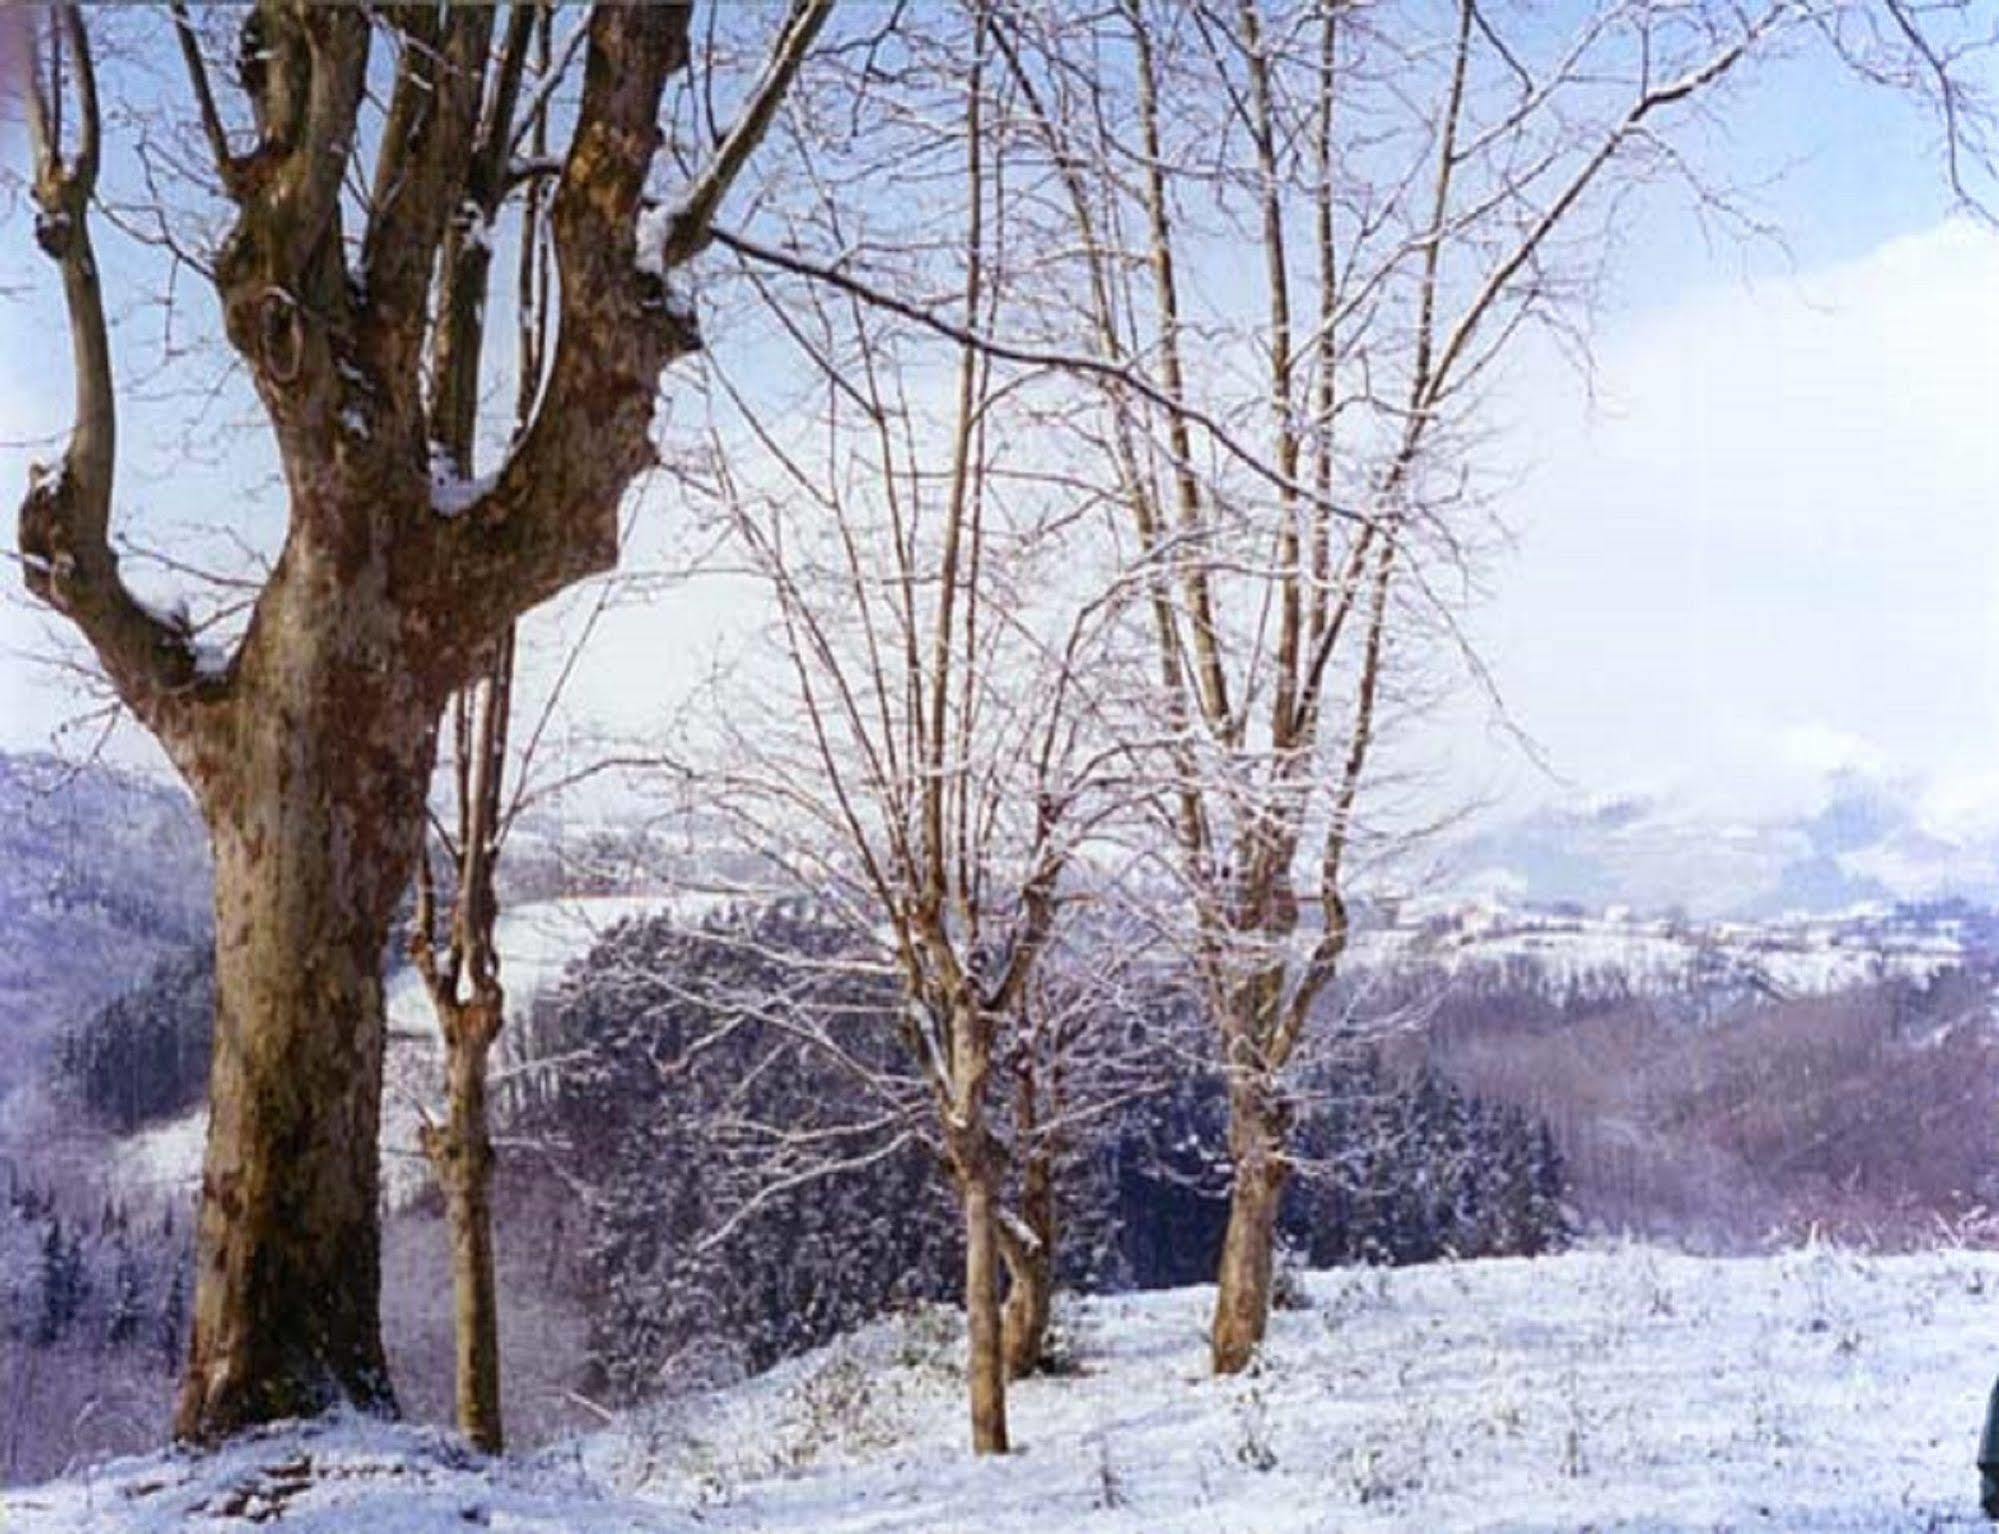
{"x": 1621, "y": 1390}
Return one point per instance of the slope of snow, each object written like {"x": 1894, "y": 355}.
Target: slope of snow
{"x": 164, "y": 1157}
{"x": 335, "y": 1477}
{"x": 1814, "y": 1392}
{"x": 536, "y": 943}
{"x": 1615, "y": 948}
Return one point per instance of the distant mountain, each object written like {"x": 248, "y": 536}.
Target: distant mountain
{"x": 1863, "y": 846}
{"x": 102, "y": 873}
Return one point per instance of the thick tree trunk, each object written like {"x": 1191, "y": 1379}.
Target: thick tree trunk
{"x": 1242, "y": 1298}
{"x": 463, "y": 1155}
{"x": 315, "y": 805}
{"x": 1030, "y": 1270}
{"x": 986, "y": 1363}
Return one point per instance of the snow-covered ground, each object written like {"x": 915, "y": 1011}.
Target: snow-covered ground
{"x": 1631, "y": 1390}
{"x": 163, "y": 1158}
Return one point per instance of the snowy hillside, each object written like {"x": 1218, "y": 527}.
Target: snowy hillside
{"x": 101, "y": 874}
{"x": 1615, "y": 947}
{"x": 1807, "y": 1393}
{"x": 1463, "y": 943}
{"x": 1849, "y": 833}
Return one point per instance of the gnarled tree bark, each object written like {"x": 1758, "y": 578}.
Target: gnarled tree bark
{"x": 314, "y": 822}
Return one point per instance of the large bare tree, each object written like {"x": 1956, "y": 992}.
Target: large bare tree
{"x": 309, "y": 745}
{"x": 1304, "y": 239}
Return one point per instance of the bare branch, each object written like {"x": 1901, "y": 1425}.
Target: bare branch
{"x": 64, "y": 531}
{"x": 691, "y": 224}
{"x": 1007, "y": 351}
{"x": 211, "y": 118}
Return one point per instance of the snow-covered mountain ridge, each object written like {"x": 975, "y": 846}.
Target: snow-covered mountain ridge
{"x": 1811, "y": 1392}
{"x": 101, "y": 875}
{"x": 1861, "y": 833}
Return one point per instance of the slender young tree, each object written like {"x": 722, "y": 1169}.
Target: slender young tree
{"x": 309, "y": 745}
{"x": 934, "y": 619}
{"x": 1083, "y": 1046}
{"x": 462, "y": 975}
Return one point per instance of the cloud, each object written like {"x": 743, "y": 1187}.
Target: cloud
{"x": 1818, "y": 748}
{"x": 1763, "y": 557}
{"x": 1769, "y": 550}
{"x": 34, "y": 695}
